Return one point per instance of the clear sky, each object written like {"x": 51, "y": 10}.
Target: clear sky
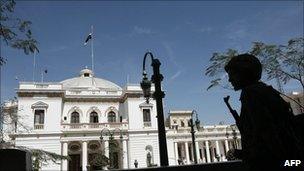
{"x": 182, "y": 35}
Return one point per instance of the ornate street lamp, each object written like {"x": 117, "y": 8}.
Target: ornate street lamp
{"x": 111, "y": 134}
{"x": 234, "y": 134}
{"x": 191, "y": 124}
{"x": 111, "y": 138}
{"x": 227, "y": 134}
{"x": 158, "y": 95}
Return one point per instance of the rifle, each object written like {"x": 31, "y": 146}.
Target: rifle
{"x": 233, "y": 112}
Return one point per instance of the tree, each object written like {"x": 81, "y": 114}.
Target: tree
{"x": 10, "y": 120}
{"x": 15, "y": 32}
{"x": 280, "y": 62}
{"x": 100, "y": 161}
{"x": 9, "y": 123}
{"x": 216, "y": 69}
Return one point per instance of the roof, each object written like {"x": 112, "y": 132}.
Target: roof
{"x": 86, "y": 80}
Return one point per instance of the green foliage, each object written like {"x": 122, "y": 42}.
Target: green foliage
{"x": 42, "y": 157}
{"x": 216, "y": 69}
{"x": 100, "y": 160}
{"x": 15, "y": 32}
{"x": 281, "y": 62}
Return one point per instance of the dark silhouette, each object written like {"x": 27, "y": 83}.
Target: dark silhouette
{"x": 266, "y": 121}
{"x": 135, "y": 163}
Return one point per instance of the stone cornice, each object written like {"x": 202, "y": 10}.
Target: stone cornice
{"x": 130, "y": 94}
{"x": 29, "y": 93}
{"x": 91, "y": 99}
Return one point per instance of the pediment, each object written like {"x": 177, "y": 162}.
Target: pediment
{"x": 144, "y": 104}
{"x": 39, "y": 104}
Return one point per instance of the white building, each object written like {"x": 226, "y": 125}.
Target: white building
{"x": 296, "y": 101}
{"x": 69, "y": 118}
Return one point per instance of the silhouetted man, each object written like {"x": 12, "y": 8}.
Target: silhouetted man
{"x": 266, "y": 120}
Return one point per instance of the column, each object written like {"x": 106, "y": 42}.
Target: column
{"x": 191, "y": 152}
{"x": 239, "y": 145}
{"x": 106, "y": 148}
{"x": 64, "y": 153}
{"x": 197, "y": 152}
{"x": 125, "y": 154}
{"x": 226, "y": 145}
{"x": 84, "y": 155}
{"x": 217, "y": 148}
{"x": 207, "y": 151}
{"x": 187, "y": 153}
{"x": 176, "y": 152}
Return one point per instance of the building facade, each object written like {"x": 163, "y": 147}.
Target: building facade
{"x": 84, "y": 116}
{"x": 296, "y": 101}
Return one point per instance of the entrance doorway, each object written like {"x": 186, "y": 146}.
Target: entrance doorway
{"x": 74, "y": 163}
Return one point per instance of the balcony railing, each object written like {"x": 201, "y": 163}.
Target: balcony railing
{"x": 38, "y": 126}
{"x": 147, "y": 124}
{"x": 92, "y": 126}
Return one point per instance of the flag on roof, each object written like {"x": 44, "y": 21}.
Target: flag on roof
{"x": 88, "y": 38}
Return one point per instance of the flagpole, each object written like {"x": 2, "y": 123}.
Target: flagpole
{"x": 92, "y": 49}
{"x": 34, "y": 65}
{"x": 41, "y": 76}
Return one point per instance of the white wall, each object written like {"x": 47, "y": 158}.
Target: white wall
{"x": 137, "y": 144}
{"x": 136, "y": 115}
{"x": 52, "y": 115}
{"x": 84, "y": 107}
{"x": 171, "y": 153}
{"x": 51, "y": 144}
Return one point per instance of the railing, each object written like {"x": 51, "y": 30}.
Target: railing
{"x": 92, "y": 126}
{"x": 75, "y": 126}
{"x": 38, "y": 126}
{"x": 147, "y": 124}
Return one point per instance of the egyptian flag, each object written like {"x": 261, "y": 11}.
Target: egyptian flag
{"x": 88, "y": 38}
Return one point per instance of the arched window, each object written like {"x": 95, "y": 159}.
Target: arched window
{"x": 182, "y": 124}
{"x": 75, "y": 117}
{"x": 93, "y": 117}
{"x": 111, "y": 117}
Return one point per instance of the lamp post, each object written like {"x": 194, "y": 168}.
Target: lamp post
{"x": 158, "y": 95}
{"x": 191, "y": 124}
{"x": 234, "y": 134}
{"x": 111, "y": 138}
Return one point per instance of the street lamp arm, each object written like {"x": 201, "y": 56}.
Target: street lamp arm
{"x": 144, "y": 61}
{"x": 120, "y": 133}
{"x": 105, "y": 129}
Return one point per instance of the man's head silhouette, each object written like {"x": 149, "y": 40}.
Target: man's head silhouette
{"x": 243, "y": 70}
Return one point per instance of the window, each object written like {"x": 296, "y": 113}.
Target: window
{"x": 147, "y": 117}
{"x": 75, "y": 117}
{"x": 86, "y": 74}
{"x": 39, "y": 117}
{"x": 111, "y": 117}
{"x": 93, "y": 117}
{"x": 182, "y": 124}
